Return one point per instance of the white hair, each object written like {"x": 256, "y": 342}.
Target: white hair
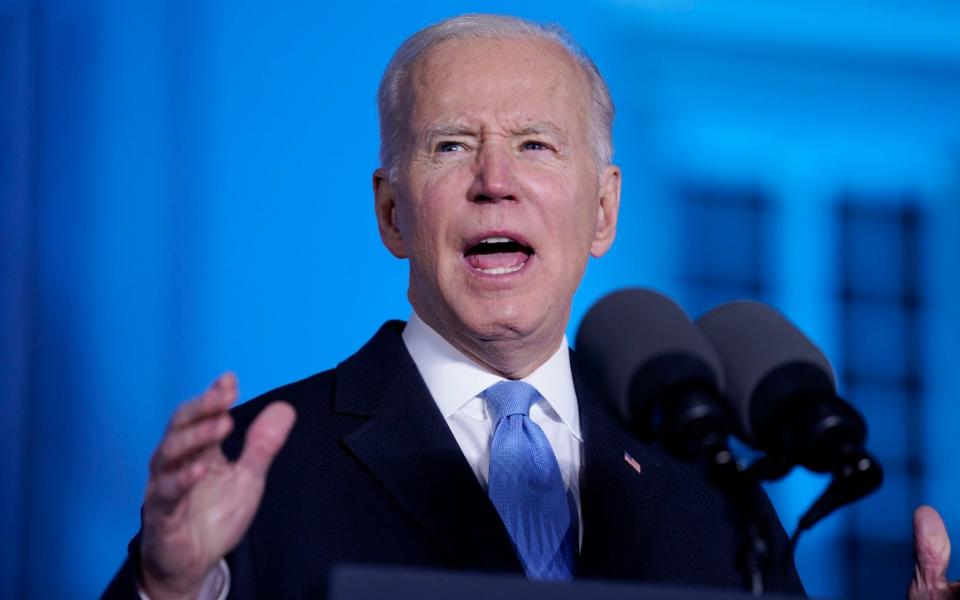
{"x": 393, "y": 97}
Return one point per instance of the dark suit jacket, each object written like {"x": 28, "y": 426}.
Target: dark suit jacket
{"x": 372, "y": 474}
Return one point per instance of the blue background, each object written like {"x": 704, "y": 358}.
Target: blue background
{"x": 185, "y": 189}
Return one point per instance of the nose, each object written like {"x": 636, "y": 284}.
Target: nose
{"x": 494, "y": 174}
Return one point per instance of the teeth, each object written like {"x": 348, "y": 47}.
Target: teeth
{"x": 502, "y": 270}
{"x": 495, "y": 240}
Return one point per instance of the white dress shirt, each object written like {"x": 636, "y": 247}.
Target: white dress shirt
{"x": 456, "y": 382}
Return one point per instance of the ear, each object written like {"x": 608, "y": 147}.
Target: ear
{"x": 385, "y": 205}
{"x": 607, "y": 211}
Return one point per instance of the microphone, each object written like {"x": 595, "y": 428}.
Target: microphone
{"x": 783, "y": 394}
{"x": 663, "y": 378}
{"x": 658, "y": 372}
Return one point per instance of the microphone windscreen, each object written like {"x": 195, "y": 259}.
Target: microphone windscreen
{"x": 636, "y": 344}
{"x": 758, "y": 345}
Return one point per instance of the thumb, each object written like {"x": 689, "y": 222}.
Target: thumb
{"x": 266, "y": 436}
{"x": 932, "y": 549}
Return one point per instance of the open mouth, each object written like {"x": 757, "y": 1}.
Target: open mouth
{"x": 498, "y": 255}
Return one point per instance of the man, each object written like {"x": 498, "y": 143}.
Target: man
{"x": 496, "y": 186}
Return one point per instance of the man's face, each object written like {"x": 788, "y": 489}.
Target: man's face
{"x": 498, "y": 202}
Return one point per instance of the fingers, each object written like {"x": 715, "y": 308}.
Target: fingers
{"x": 216, "y": 399}
{"x": 197, "y": 424}
{"x": 932, "y": 550}
{"x": 266, "y": 436}
{"x": 932, "y": 547}
{"x": 190, "y": 441}
{"x": 170, "y": 486}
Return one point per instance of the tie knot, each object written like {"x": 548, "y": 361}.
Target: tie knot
{"x": 510, "y": 398}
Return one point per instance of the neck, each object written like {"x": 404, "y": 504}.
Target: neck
{"x": 510, "y": 359}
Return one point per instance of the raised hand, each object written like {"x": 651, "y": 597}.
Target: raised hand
{"x": 931, "y": 547}
{"x": 198, "y": 505}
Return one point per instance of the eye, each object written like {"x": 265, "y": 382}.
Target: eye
{"x": 450, "y": 147}
{"x": 535, "y": 145}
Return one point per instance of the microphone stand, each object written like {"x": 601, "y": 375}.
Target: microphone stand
{"x": 742, "y": 487}
{"x": 693, "y": 425}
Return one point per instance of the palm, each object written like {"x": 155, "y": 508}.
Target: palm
{"x": 210, "y": 520}
{"x": 223, "y": 505}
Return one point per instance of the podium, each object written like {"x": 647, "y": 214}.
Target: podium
{"x": 352, "y": 582}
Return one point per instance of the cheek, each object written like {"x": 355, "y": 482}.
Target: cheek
{"x": 587, "y": 209}
{"x": 429, "y": 229}
{"x": 440, "y": 198}
{"x": 576, "y": 222}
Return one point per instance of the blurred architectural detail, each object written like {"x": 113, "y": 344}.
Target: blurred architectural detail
{"x": 881, "y": 338}
{"x": 725, "y": 245}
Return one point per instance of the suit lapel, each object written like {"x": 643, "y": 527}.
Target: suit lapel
{"x": 408, "y": 447}
{"x": 618, "y": 502}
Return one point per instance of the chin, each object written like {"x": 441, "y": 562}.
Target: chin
{"x": 499, "y": 322}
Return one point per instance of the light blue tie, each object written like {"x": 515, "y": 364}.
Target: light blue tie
{"x": 526, "y": 486}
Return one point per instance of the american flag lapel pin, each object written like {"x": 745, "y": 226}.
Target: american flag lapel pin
{"x": 632, "y": 462}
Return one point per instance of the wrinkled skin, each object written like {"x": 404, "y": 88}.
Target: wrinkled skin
{"x": 498, "y": 144}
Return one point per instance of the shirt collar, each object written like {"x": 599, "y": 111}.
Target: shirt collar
{"x": 454, "y": 379}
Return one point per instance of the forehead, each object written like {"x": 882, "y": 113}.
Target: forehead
{"x": 515, "y": 79}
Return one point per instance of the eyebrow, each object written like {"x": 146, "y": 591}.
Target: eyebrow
{"x": 449, "y": 130}
{"x": 541, "y": 128}
{"x": 452, "y": 130}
